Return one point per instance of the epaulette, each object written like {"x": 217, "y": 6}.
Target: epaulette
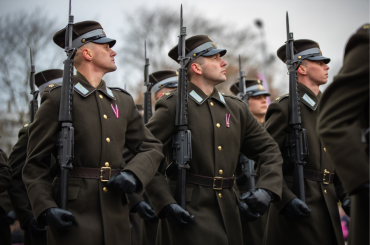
{"x": 231, "y": 96}
{"x": 51, "y": 87}
{"x": 120, "y": 89}
{"x": 278, "y": 99}
{"x": 169, "y": 94}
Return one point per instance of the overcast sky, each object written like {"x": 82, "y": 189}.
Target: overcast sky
{"x": 329, "y": 22}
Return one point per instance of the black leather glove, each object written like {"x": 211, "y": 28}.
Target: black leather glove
{"x": 246, "y": 214}
{"x": 176, "y": 215}
{"x": 125, "y": 182}
{"x": 58, "y": 219}
{"x": 10, "y": 217}
{"x": 346, "y": 205}
{"x": 258, "y": 200}
{"x": 145, "y": 211}
{"x": 34, "y": 228}
{"x": 296, "y": 209}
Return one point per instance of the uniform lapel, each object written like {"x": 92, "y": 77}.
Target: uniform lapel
{"x": 308, "y": 97}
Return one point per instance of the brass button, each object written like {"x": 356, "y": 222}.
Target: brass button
{"x": 325, "y": 170}
{"x": 108, "y": 140}
{"x": 219, "y": 148}
{"x": 107, "y": 164}
{"x": 325, "y": 192}
{"x": 220, "y": 171}
{"x": 105, "y": 116}
{"x": 101, "y": 96}
{"x": 218, "y": 125}
{"x": 211, "y": 103}
{"x": 219, "y": 195}
{"x": 26, "y": 125}
{"x": 325, "y": 149}
{"x": 105, "y": 189}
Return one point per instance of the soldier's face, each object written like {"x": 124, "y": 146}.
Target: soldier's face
{"x": 317, "y": 71}
{"x": 214, "y": 69}
{"x": 104, "y": 58}
{"x": 258, "y": 105}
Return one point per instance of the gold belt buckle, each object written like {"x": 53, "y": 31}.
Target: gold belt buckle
{"x": 101, "y": 174}
{"x": 214, "y": 182}
{"x": 326, "y": 172}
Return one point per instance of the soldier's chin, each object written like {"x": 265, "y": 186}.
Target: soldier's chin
{"x": 112, "y": 68}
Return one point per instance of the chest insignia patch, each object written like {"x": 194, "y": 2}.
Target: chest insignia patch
{"x": 222, "y": 98}
{"x": 115, "y": 110}
{"x": 81, "y": 88}
{"x": 308, "y": 100}
{"x": 196, "y": 96}
{"x": 110, "y": 92}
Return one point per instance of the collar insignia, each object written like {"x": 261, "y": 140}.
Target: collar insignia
{"x": 309, "y": 100}
{"x": 110, "y": 92}
{"x": 222, "y": 98}
{"x": 196, "y": 96}
{"x": 81, "y": 88}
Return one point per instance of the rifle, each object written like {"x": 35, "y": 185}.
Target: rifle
{"x": 33, "y": 103}
{"x": 296, "y": 141}
{"x": 181, "y": 144}
{"x": 147, "y": 95}
{"x": 242, "y": 95}
{"x": 65, "y": 139}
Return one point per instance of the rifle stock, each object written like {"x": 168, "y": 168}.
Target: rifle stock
{"x": 182, "y": 139}
{"x": 65, "y": 141}
{"x": 296, "y": 141}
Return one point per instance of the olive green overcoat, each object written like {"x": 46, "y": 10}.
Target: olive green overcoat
{"x": 5, "y": 205}
{"x": 215, "y": 152}
{"x": 17, "y": 191}
{"x": 5, "y": 172}
{"x": 344, "y": 113}
{"x": 323, "y": 225}
{"x": 99, "y": 137}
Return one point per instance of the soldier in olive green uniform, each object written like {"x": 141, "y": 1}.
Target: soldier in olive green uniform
{"x": 253, "y": 231}
{"x": 33, "y": 233}
{"x": 343, "y": 126}
{"x": 5, "y": 206}
{"x": 290, "y": 221}
{"x": 105, "y": 121}
{"x": 221, "y": 126}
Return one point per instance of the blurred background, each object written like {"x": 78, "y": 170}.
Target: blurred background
{"x": 252, "y": 29}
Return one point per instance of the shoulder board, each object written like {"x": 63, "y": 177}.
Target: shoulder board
{"x": 169, "y": 94}
{"x": 232, "y": 96}
{"x": 278, "y": 99}
{"x": 120, "y": 89}
{"x": 52, "y": 86}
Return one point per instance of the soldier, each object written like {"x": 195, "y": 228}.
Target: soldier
{"x": 162, "y": 82}
{"x": 33, "y": 233}
{"x": 105, "y": 121}
{"x": 253, "y": 231}
{"x": 343, "y": 114}
{"x": 221, "y": 126}
{"x": 291, "y": 221}
{"x": 5, "y": 206}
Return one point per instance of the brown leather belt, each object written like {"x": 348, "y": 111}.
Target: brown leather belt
{"x": 103, "y": 173}
{"x": 326, "y": 177}
{"x": 217, "y": 183}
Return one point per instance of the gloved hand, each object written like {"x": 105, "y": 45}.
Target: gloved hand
{"x": 346, "y": 205}
{"x": 33, "y": 227}
{"x": 296, "y": 209}
{"x": 10, "y": 217}
{"x": 176, "y": 215}
{"x": 145, "y": 211}
{"x": 125, "y": 182}
{"x": 246, "y": 214}
{"x": 258, "y": 200}
{"x": 58, "y": 219}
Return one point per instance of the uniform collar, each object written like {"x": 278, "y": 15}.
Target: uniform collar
{"x": 308, "y": 97}
{"x": 84, "y": 88}
{"x": 199, "y": 97}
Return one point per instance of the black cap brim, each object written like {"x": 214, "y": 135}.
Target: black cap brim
{"x": 222, "y": 52}
{"x": 111, "y": 42}
{"x": 314, "y": 58}
{"x": 260, "y": 93}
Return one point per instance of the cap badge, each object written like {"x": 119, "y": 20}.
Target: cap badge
{"x": 320, "y": 51}
{"x": 366, "y": 26}
{"x": 260, "y": 87}
{"x": 214, "y": 45}
{"x": 104, "y": 33}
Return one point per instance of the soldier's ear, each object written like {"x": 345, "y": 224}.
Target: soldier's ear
{"x": 302, "y": 70}
{"x": 86, "y": 52}
{"x": 197, "y": 68}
